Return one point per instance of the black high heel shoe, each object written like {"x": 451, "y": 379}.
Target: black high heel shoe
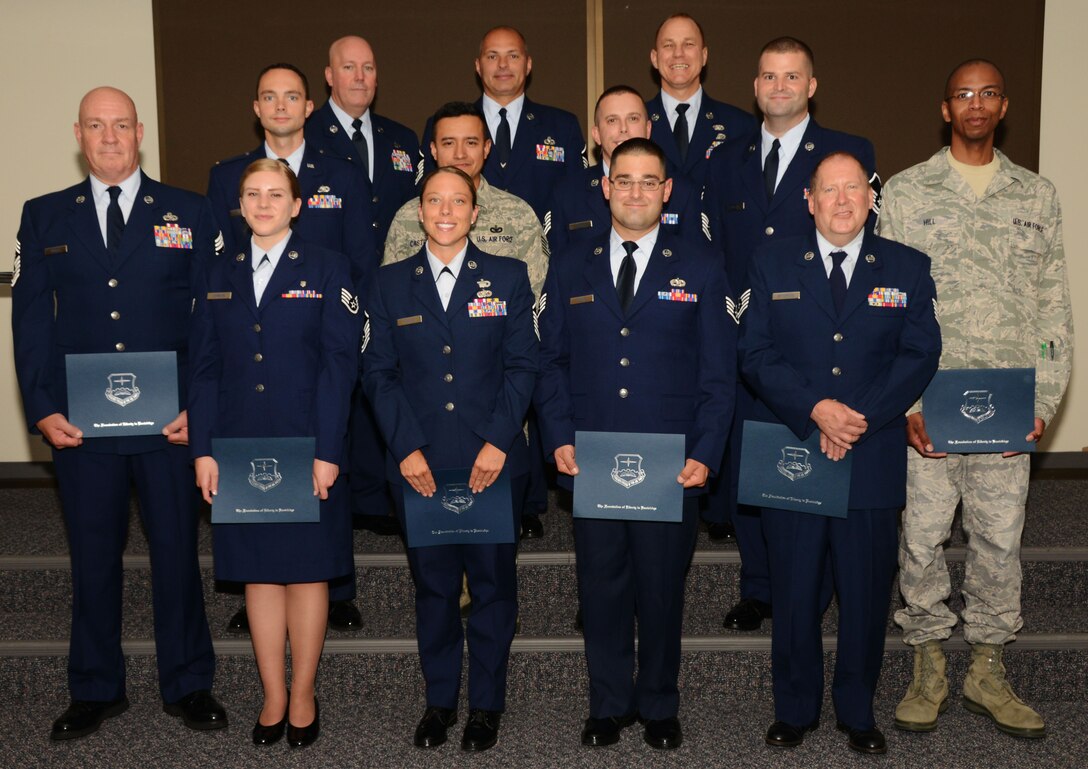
{"x": 268, "y": 735}
{"x": 301, "y": 736}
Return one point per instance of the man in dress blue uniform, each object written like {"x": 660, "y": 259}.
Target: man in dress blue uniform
{"x": 621, "y": 351}
{"x": 687, "y": 123}
{"x": 579, "y": 209}
{"x": 335, "y": 203}
{"x": 755, "y": 193}
{"x": 95, "y": 271}
{"x": 383, "y": 149}
{"x": 534, "y": 146}
{"x": 841, "y": 337}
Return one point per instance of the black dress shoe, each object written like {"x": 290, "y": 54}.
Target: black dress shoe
{"x": 85, "y": 716}
{"x": 599, "y": 732}
{"x": 344, "y": 616}
{"x": 239, "y": 621}
{"x": 382, "y": 525}
{"x": 748, "y": 614}
{"x": 783, "y": 735}
{"x": 864, "y": 740}
{"x": 431, "y": 731}
{"x": 663, "y": 734}
{"x": 301, "y": 736}
{"x": 198, "y": 710}
{"x": 531, "y": 527}
{"x": 721, "y": 532}
{"x": 268, "y": 735}
{"x": 481, "y": 730}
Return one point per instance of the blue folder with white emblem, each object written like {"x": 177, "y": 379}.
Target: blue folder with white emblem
{"x": 122, "y": 393}
{"x": 779, "y": 470}
{"x": 454, "y": 515}
{"x": 629, "y": 476}
{"x": 980, "y": 411}
{"x": 265, "y": 480}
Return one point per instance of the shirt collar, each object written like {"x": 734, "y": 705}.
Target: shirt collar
{"x": 294, "y": 160}
{"x": 273, "y": 253}
{"x": 669, "y": 103}
{"x": 455, "y": 264}
{"x": 645, "y": 244}
{"x": 345, "y": 119}
{"x": 513, "y": 110}
{"x": 787, "y": 142}
{"x": 129, "y": 188}
{"x": 852, "y": 249}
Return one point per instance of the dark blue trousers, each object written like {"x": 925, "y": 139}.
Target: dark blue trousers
{"x": 629, "y": 569}
{"x": 94, "y": 492}
{"x": 862, "y": 549}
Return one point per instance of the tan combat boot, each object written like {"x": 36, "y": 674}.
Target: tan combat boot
{"x": 985, "y": 691}
{"x": 927, "y": 695}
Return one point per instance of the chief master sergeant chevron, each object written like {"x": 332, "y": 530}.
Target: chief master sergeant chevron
{"x": 107, "y": 266}
{"x": 994, "y": 233}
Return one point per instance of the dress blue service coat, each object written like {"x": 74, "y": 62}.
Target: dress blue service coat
{"x": 284, "y": 368}
{"x": 876, "y": 358}
{"x": 396, "y": 166}
{"x": 70, "y": 295}
{"x": 579, "y": 210}
{"x": 549, "y": 146}
{"x": 335, "y": 208}
{"x": 718, "y": 124}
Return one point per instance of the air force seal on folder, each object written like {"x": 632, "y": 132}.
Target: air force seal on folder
{"x": 122, "y": 389}
{"x": 628, "y": 470}
{"x": 265, "y": 473}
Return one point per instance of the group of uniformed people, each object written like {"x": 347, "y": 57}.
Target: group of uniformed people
{"x": 712, "y": 268}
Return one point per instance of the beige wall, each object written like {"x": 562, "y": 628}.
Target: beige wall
{"x": 48, "y": 50}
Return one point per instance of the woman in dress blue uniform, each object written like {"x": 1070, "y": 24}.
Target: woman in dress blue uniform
{"x": 449, "y": 364}
{"x": 274, "y": 343}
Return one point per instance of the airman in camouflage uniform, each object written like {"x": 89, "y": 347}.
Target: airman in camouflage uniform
{"x": 506, "y": 226}
{"x": 993, "y": 231}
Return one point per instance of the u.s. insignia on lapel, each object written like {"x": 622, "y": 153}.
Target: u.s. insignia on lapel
{"x": 419, "y": 270}
{"x": 530, "y": 116}
{"x": 597, "y": 251}
{"x": 655, "y": 117}
{"x": 809, "y": 256}
{"x": 709, "y": 116}
{"x": 869, "y": 258}
{"x": 809, "y": 146}
{"x": 666, "y": 252}
{"x": 292, "y": 254}
{"x": 334, "y": 129}
{"x": 148, "y": 199}
{"x": 240, "y": 258}
{"x": 80, "y": 199}
{"x": 471, "y": 264}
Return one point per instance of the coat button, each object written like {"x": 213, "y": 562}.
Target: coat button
{"x": 115, "y": 315}
{"x": 259, "y": 388}
{"x": 258, "y": 357}
{"x": 257, "y": 327}
{"x": 625, "y": 331}
{"x": 836, "y": 371}
{"x": 837, "y": 337}
{"x": 449, "y": 407}
{"x": 374, "y": 199}
{"x": 625, "y": 362}
{"x": 112, "y": 283}
{"x": 448, "y": 377}
{"x": 769, "y": 231}
{"x": 446, "y": 349}
{"x": 120, "y": 347}
{"x": 623, "y": 392}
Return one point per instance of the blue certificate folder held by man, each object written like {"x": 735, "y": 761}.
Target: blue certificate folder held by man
{"x": 778, "y": 469}
{"x": 980, "y": 411}
{"x": 265, "y": 480}
{"x": 456, "y": 516}
{"x": 629, "y": 476}
{"x": 122, "y": 393}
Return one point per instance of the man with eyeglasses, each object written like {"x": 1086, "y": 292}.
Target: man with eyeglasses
{"x": 994, "y": 232}
{"x": 635, "y": 338}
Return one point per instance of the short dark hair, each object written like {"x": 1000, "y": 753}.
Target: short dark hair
{"x": 639, "y": 146}
{"x": 446, "y": 170}
{"x": 832, "y": 156}
{"x": 681, "y": 15}
{"x": 787, "y": 44}
{"x": 290, "y": 68}
{"x": 968, "y": 63}
{"x": 458, "y": 109}
{"x": 615, "y": 90}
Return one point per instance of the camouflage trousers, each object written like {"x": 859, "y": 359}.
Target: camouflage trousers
{"x": 993, "y": 490}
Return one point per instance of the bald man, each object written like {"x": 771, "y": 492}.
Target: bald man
{"x": 106, "y": 266}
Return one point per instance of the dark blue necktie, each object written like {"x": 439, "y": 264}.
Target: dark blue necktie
{"x": 361, "y": 146}
{"x": 680, "y": 131}
{"x": 838, "y": 280}
{"x": 502, "y": 138}
{"x": 770, "y": 169}
{"x": 625, "y": 281}
{"x": 115, "y": 221}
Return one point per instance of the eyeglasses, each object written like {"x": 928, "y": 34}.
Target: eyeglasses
{"x": 625, "y": 183}
{"x": 987, "y": 95}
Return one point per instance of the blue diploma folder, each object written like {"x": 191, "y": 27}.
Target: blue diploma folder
{"x": 779, "y": 470}
{"x": 456, "y": 516}
{"x": 980, "y": 411}
{"x": 629, "y": 476}
{"x": 265, "y": 480}
{"x": 122, "y": 393}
